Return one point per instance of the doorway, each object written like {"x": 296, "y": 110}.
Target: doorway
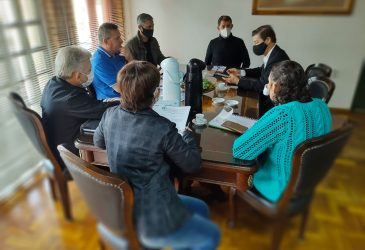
{"x": 358, "y": 104}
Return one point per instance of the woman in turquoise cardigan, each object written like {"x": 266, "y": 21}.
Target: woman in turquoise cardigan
{"x": 295, "y": 118}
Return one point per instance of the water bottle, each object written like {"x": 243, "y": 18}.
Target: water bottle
{"x": 171, "y": 80}
{"x": 194, "y": 86}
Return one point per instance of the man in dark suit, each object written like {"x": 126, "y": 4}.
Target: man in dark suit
{"x": 65, "y": 102}
{"x": 254, "y": 79}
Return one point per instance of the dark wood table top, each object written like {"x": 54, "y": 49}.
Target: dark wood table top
{"x": 216, "y": 144}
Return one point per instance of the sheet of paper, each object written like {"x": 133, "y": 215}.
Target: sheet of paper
{"x": 220, "y": 118}
{"x": 163, "y": 103}
{"x": 225, "y": 115}
{"x": 219, "y": 68}
{"x": 178, "y": 115}
{"x": 242, "y": 120}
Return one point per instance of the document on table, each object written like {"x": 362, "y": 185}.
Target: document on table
{"x": 228, "y": 121}
{"x": 178, "y": 115}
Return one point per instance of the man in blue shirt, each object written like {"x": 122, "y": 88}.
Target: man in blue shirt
{"x": 107, "y": 61}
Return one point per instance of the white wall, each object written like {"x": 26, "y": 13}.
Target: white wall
{"x": 185, "y": 27}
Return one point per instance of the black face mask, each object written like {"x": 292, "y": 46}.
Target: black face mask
{"x": 147, "y": 32}
{"x": 259, "y": 49}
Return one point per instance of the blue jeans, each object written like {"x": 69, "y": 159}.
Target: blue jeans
{"x": 198, "y": 233}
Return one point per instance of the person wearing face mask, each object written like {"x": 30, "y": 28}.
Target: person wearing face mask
{"x": 254, "y": 79}
{"x": 296, "y": 117}
{"x": 107, "y": 61}
{"x": 227, "y": 50}
{"x": 65, "y": 103}
{"x": 144, "y": 45}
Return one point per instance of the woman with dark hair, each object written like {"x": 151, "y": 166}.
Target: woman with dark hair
{"x": 295, "y": 118}
{"x": 144, "y": 147}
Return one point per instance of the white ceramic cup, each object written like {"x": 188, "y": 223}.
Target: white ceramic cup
{"x": 221, "y": 85}
{"x": 199, "y": 118}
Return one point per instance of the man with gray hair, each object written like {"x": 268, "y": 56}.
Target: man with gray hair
{"x": 107, "y": 61}
{"x": 144, "y": 46}
{"x": 65, "y": 102}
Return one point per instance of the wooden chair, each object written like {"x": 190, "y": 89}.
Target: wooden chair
{"x": 31, "y": 122}
{"x": 321, "y": 87}
{"x": 318, "y": 69}
{"x": 110, "y": 199}
{"x": 312, "y": 160}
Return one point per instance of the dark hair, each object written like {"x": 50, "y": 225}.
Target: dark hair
{"x": 104, "y": 31}
{"x": 224, "y": 18}
{"x": 290, "y": 79}
{"x": 142, "y": 18}
{"x": 138, "y": 81}
{"x": 265, "y": 31}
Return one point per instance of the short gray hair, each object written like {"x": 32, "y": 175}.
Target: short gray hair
{"x": 104, "y": 31}
{"x": 142, "y": 18}
{"x": 70, "y": 59}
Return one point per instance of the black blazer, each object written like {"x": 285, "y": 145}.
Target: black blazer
{"x": 64, "y": 108}
{"x": 144, "y": 147}
{"x": 256, "y": 78}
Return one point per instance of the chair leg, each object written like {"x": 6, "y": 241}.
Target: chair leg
{"x": 102, "y": 244}
{"x": 303, "y": 223}
{"x": 279, "y": 225}
{"x": 65, "y": 198}
{"x": 53, "y": 188}
{"x": 232, "y": 207}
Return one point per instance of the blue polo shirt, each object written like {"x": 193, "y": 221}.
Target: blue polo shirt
{"x": 105, "y": 68}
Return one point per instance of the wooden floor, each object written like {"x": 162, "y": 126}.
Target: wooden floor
{"x": 30, "y": 219}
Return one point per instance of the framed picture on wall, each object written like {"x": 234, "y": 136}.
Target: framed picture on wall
{"x": 302, "y": 7}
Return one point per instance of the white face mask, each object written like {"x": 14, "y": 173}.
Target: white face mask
{"x": 90, "y": 78}
{"x": 225, "y": 32}
{"x": 266, "y": 91}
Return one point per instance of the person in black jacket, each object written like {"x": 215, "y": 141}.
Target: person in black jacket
{"x": 144, "y": 46}
{"x": 65, "y": 103}
{"x": 144, "y": 147}
{"x": 227, "y": 50}
{"x": 254, "y": 79}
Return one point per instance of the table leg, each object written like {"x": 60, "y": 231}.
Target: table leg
{"x": 232, "y": 207}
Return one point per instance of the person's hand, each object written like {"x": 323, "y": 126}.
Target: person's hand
{"x": 126, "y": 53}
{"x": 187, "y": 128}
{"x": 231, "y": 79}
{"x": 233, "y": 71}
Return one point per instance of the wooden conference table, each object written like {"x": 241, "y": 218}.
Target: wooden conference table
{"x": 218, "y": 165}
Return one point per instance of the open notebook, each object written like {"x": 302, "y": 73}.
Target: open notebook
{"x": 228, "y": 121}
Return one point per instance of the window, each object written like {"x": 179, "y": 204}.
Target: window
{"x": 23, "y": 51}
{"x": 97, "y": 12}
{"x": 31, "y": 33}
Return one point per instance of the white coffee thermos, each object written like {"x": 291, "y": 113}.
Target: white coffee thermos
{"x": 171, "y": 80}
